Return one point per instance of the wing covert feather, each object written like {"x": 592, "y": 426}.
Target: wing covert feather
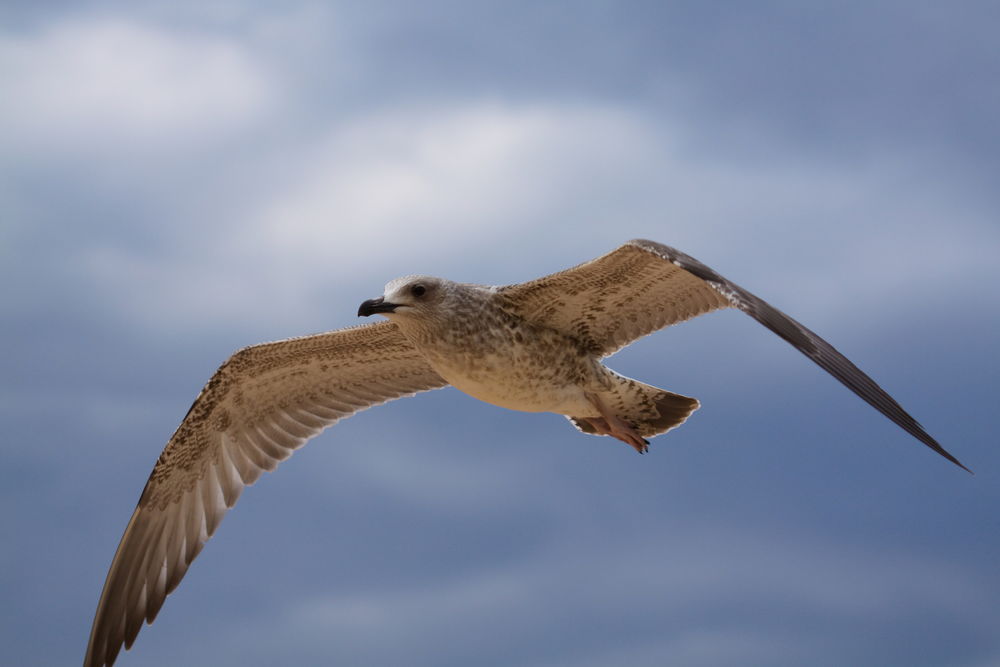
{"x": 263, "y": 403}
{"x": 610, "y": 301}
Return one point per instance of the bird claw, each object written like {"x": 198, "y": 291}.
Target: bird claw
{"x": 611, "y": 424}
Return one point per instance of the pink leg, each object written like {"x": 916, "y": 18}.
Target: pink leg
{"x": 599, "y": 425}
{"x": 611, "y": 424}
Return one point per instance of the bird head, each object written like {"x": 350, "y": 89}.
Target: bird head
{"x": 408, "y": 297}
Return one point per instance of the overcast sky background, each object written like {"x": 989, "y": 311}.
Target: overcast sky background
{"x": 180, "y": 179}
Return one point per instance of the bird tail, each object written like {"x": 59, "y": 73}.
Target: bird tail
{"x": 673, "y": 409}
{"x": 650, "y": 410}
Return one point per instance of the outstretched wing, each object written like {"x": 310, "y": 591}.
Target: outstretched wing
{"x": 644, "y": 286}
{"x": 261, "y": 405}
{"x": 611, "y": 301}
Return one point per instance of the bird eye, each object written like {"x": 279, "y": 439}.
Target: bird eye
{"x": 418, "y": 290}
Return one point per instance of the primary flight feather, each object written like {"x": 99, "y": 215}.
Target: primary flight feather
{"x": 535, "y": 346}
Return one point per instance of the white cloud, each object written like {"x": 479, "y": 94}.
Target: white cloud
{"x": 422, "y": 182}
{"x": 510, "y": 189}
{"x": 404, "y": 189}
{"x": 502, "y": 192}
{"x": 105, "y": 83}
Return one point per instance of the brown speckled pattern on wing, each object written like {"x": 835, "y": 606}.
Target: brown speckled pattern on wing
{"x": 261, "y": 405}
{"x": 611, "y": 301}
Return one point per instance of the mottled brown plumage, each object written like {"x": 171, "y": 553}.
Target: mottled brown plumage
{"x": 261, "y": 405}
{"x": 534, "y": 346}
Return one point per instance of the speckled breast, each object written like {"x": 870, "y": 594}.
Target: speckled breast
{"x": 517, "y": 367}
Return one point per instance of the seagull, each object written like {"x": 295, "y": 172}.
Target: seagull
{"x": 534, "y": 346}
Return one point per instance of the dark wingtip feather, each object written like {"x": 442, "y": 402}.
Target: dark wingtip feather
{"x": 805, "y": 341}
{"x": 933, "y": 444}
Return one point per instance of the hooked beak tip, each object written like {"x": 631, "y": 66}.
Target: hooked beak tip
{"x": 373, "y": 306}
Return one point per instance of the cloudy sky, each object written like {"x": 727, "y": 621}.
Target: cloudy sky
{"x": 180, "y": 179}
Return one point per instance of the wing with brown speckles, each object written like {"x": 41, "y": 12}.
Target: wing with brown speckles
{"x": 643, "y": 286}
{"x": 261, "y": 405}
{"x": 611, "y": 301}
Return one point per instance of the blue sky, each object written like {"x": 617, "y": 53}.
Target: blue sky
{"x": 181, "y": 179}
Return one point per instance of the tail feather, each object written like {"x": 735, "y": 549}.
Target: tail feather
{"x": 650, "y": 410}
{"x": 674, "y": 410}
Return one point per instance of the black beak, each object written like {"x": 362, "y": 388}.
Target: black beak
{"x": 372, "y": 306}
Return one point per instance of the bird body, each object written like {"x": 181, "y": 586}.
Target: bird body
{"x": 472, "y": 339}
{"x": 475, "y": 338}
{"x": 534, "y": 346}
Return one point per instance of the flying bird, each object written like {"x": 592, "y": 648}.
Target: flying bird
{"x": 534, "y": 346}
